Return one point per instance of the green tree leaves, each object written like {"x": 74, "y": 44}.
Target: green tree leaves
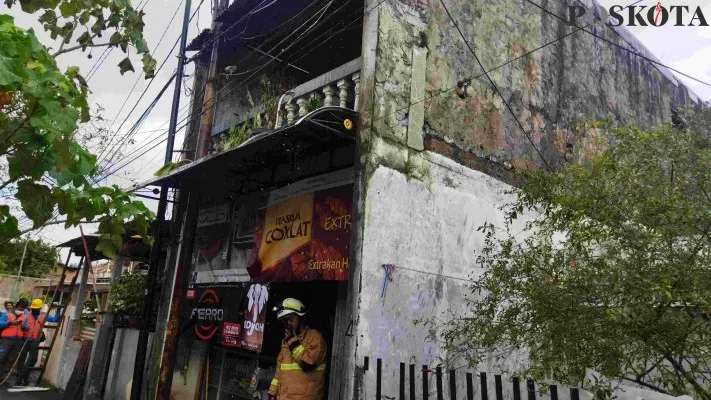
{"x": 90, "y": 20}
{"x": 41, "y": 108}
{"x": 126, "y": 294}
{"x": 125, "y": 65}
{"x": 614, "y": 274}
{"x": 37, "y": 201}
{"x": 40, "y": 259}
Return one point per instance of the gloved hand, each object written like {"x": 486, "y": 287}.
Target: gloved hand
{"x": 45, "y": 308}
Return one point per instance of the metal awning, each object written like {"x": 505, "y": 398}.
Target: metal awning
{"x": 323, "y": 129}
{"x": 77, "y": 246}
{"x": 133, "y": 246}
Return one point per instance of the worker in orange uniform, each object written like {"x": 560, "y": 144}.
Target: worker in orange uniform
{"x": 34, "y": 320}
{"x": 12, "y": 326}
{"x": 301, "y": 369}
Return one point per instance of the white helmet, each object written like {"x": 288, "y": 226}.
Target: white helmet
{"x": 290, "y": 306}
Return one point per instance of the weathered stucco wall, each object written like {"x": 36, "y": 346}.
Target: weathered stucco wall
{"x": 552, "y": 91}
{"x": 433, "y": 163}
{"x": 428, "y": 231}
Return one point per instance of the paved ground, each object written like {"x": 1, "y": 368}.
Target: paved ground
{"x": 30, "y": 395}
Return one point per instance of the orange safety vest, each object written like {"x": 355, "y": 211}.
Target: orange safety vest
{"x": 36, "y": 324}
{"x": 13, "y": 331}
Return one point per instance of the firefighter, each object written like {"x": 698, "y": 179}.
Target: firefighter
{"x": 12, "y": 326}
{"x": 301, "y": 369}
{"x": 34, "y": 335}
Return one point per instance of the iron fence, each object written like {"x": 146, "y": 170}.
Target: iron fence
{"x": 408, "y": 373}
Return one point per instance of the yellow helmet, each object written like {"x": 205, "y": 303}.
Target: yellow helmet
{"x": 290, "y": 306}
{"x": 36, "y": 304}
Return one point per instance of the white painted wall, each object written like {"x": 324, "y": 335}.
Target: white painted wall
{"x": 428, "y": 230}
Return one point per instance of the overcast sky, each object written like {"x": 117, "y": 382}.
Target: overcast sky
{"x": 111, "y": 90}
{"x": 687, "y": 49}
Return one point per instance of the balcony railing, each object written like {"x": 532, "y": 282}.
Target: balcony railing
{"x": 338, "y": 87}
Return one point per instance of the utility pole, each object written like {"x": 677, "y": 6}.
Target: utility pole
{"x": 209, "y": 100}
{"x": 16, "y": 291}
{"x": 149, "y": 291}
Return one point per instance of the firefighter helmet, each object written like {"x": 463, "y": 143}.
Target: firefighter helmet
{"x": 290, "y": 306}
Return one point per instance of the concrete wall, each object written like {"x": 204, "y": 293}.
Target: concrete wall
{"x": 7, "y": 285}
{"x": 429, "y": 232}
{"x": 433, "y": 164}
{"x": 123, "y": 356}
{"x": 419, "y": 57}
{"x": 61, "y": 361}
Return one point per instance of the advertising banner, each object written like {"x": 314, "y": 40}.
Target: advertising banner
{"x": 231, "y": 315}
{"x": 304, "y": 232}
{"x": 212, "y": 242}
{"x": 255, "y": 317}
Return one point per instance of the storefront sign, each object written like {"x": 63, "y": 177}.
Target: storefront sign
{"x": 231, "y": 315}
{"x": 216, "y": 314}
{"x": 304, "y": 232}
{"x": 231, "y": 334}
{"x": 207, "y": 315}
{"x": 212, "y": 241}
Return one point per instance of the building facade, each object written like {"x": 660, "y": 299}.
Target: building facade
{"x": 345, "y": 153}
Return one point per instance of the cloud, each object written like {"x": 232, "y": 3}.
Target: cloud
{"x": 697, "y": 65}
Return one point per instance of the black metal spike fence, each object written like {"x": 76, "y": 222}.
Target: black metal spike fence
{"x": 408, "y": 391}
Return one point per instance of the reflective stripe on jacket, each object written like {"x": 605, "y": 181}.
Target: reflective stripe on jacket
{"x": 11, "y": 331}
{"x": 301, "y": 368}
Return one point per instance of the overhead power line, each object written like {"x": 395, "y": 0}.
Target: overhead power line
{"x": 107, "y": 50}
{"x": 149, "y": 109}
{"x": 253, "y": 76}
{"x": 610, "y": 42}
{"x": 116, "y": 132}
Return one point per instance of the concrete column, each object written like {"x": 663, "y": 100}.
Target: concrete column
{"x": 356, "y": 88}
{"x": 343, "y": 85}
{"x": 80, "y": 297}
{"x": 329, "y": 93}
{"x": 302, "y": 102}
{"x": 290, "y": 112}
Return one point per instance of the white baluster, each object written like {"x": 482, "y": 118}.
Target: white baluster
{"x": 282, "y": 117}
{"x": 303, "y": 105}
{"x": 356, "y": 87}
{"x": 290, "y": 112}
{"x": 343, "y": 85}
{"x": 329, "y": 93}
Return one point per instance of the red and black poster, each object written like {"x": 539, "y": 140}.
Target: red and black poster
{"x": 304, "y": 232}
{"x": 231, "y": 315}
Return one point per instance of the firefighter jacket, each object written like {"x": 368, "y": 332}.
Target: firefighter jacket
{"x": 301, "y": 367}
{"x": 35, "y": 324}
{"x": 12, "y": 331}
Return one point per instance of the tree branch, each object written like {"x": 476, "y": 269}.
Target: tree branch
{"x": 69, "y": 49}
{"x": 32, "y": 229}
{"x": 7, "y": 182}
{"x": 647, "y": 385}
{"x": 688, "y": 377}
